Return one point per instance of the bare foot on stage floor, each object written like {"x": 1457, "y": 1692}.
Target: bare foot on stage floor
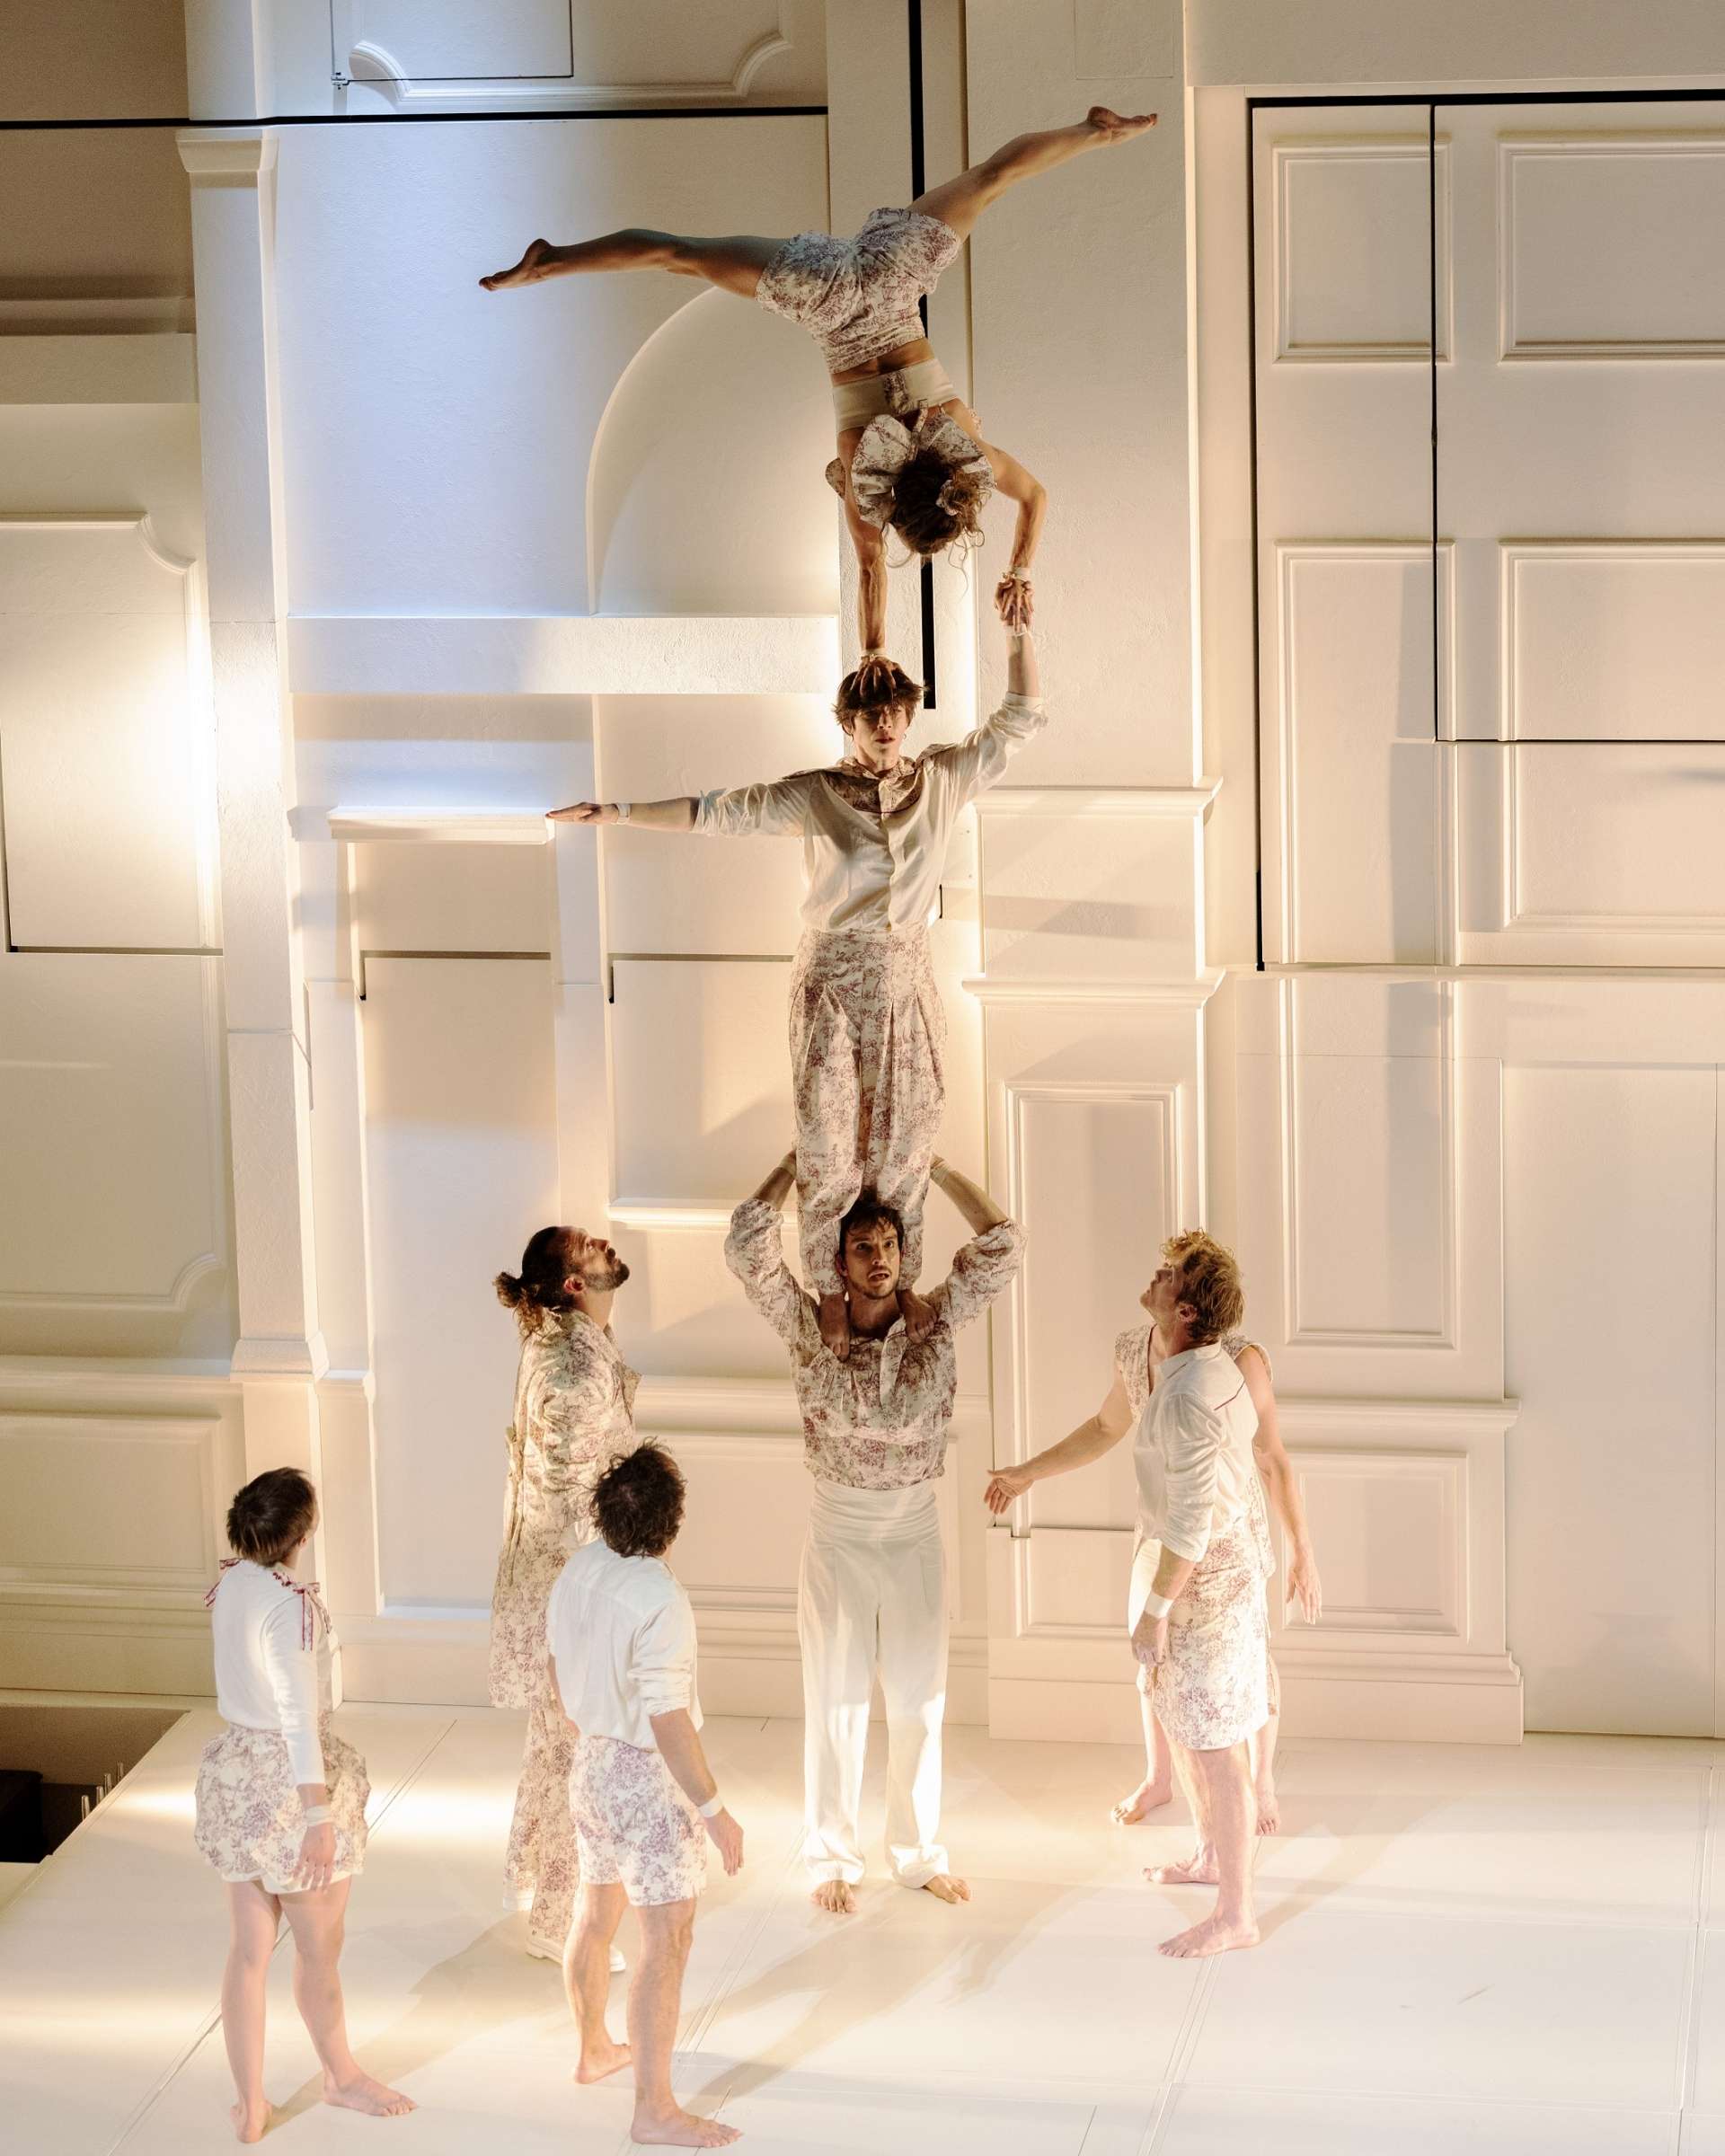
{"x": 682, "y": 2130}
{"x": 524, "y": 272}
{"x": 1214, "y": 1935}
{"x": 1269, "y": 1810}
{"x": 1199, "y": 1869}
{"x": 836, "y": 1324}
{"x": 835, "y": 1897}
{"x": 250, "y": 2121}
{"x": 945, "y": 1888}
{"x": 1115, "y": 129}
{"x": 366, "y": 2093}
{"x": 597, "y": 2060}
{"x": 1147, "y": 1797}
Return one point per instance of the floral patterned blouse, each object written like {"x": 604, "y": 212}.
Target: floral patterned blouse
{"x": 878, "y": 1421}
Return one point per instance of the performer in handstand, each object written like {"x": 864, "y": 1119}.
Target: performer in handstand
{"x": 911, "y": 454}
{"x": 574, "y": 1410}
{"x": 868, "y": 1029}
{"x": 872, "y": 1595}
{"x": 1196, "y": 1612}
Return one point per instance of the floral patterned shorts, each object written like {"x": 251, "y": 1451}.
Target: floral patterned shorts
{"x": 250, "y": 1823}
{"x": 1212, "y": 1692}
{"x": 634, "y": 1826}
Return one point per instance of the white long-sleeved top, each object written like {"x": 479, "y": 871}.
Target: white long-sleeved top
{"x": 1192, "y": 1451}
{"x": 272, "y": 1659}
{"x": 621, "y": 1632}
{"x": 875, "y": 872}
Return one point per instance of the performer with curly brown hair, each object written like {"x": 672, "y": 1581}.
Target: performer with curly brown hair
{"x": 911, "y": 454}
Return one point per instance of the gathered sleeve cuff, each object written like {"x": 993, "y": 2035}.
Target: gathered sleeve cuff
{"x": 981, "y": 1269}
{"x": 771, "y": 808}
{"x": 292, "y": 1668}
{"x": 755, "y": 1252}
{"x": 662, "y": 1663}
{"x": 1194, "y": 1457}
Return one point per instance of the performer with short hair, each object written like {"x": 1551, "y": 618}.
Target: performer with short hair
{"x": 871, "y": 1596}
{"x": 281, "y": 1798}
{"x": 623, "y": 1673}
{"x": 1196, "y": 1609}
{"x": 574, "y": 1410}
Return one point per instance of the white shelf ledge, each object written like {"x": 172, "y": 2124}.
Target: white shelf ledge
{"x": 628, "y": 1213}
{"x": 563, "y": 655}
{"x": 436, "y": 827}
{"x": 1192, "y": 996}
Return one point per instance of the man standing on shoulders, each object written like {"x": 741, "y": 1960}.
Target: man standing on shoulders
{"x": 873, "y": 1590}
{"x": 621, "y": 1641}
{"x": 1196, "y": 1612}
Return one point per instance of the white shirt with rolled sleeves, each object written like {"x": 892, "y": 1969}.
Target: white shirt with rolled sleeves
{"x": 621, "y": 1632}
{"x": 272, "y": 1661}
{"x": 868, "y": 872}
{"x": 1192, "y": 1452}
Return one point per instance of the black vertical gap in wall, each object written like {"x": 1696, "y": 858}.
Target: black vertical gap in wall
{"x": 1257, "y": 634}
{"x": 918, "y": 182}
{"x": 1431, "y": 261}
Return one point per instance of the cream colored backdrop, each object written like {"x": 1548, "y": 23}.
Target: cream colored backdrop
{"x": 316, "y": 597}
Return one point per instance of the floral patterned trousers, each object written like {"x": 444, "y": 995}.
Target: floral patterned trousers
{"x": 867, "y": 1040}
{"x": 541, "y": 1858}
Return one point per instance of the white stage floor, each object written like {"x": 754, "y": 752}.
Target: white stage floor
{"x": 1497, "y": 1950}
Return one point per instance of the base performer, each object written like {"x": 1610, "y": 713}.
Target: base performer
{"x": 623, "y": 1654}
{"x": 281, "y": 1799}
{"x": 868, "y": 1029}
{"x": 574, "y": 1402}
{"x": 872, "y": 1596}
{"x": 1195, "y": 1614}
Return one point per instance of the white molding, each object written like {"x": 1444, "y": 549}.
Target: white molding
{"x": 1442, "y": 1338}
{"x": 140, "y": 1583}
{"x": 1085, "y": 802}
{"x": 374, "y": 67}
{"x": 102, "y": 1375}
{"x": 226, "y": 156}
{"x": 42, "y": 367}
{"x": 1189, "y": 995}
{"x": 563, "y": 655}
{"x": 667, "y": 1216}
{"x": 427, "y": 827}
{"x": 1358, "y": 150}
{"x": 286, "y": 1358}
{"x": 1515, "y": 150}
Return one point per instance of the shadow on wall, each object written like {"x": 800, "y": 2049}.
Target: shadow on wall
{"x": 705, "y": 492}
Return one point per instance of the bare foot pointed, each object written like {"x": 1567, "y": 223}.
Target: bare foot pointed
{"x": 365, "y": 2093}
{"x": 1214, "y": 1935}
{"x": 598, "y": 2060}
{"x": 1147, "y": 1797}
{"x": 1199, "y": 1869}
{"x": 526, "y": 272}
{"x": 682, "y": 2130}
{"x": 1114, "y": 127}
{"x": 835, "y": 1898}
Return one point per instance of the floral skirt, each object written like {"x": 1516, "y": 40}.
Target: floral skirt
{"x": 634, "y": 1826}
{"x": 1213, "y": 1690}
{"x": 251, "y": 1823}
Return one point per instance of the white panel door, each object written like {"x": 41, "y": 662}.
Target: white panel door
{"x": 1347, "y": 732}
{"x": 461, "y": 1159}
{"x": 1610, "y": 1231}
{"x": 1582, "y": 477}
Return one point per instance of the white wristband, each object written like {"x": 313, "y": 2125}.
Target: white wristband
{"x": 623, "y": 809}
{"x": 1158, "y": 1605}
{"x": 318, "y": 1815}
{"x": 711, "y": 1808}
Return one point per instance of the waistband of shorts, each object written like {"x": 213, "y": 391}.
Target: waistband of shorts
{"x": 911, "y": 935}
{"x": 838, "y": 1506}
{"x": 924, "y": 383}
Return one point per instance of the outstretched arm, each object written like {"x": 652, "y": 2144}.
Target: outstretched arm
{"x": 980, "y": 1210}
{"x": 870, "y": 549}
{"x": 678, "y": 814}
{"x": 1279, "y": 1478}
{"x": 959, "y": 203}
{"x": 1088, "y": 1442}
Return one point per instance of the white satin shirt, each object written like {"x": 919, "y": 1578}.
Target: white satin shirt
{"x": 621, "y": 1632}
{"x": 868, "y": 872}
{"x": 1192, "y": 1449}
{"x": 272, "y": 1661}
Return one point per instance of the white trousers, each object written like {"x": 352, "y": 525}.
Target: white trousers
{"x": 871, "y": 1599}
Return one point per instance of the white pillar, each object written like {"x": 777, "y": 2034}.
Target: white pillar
{"x": 280, "y": 1354}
